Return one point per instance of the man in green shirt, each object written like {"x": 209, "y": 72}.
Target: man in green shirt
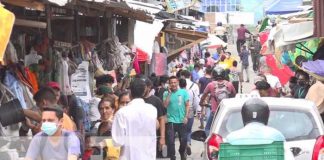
{"x": 177, "y": 103}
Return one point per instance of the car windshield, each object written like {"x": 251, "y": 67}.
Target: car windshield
{"x": 294, "y": 125}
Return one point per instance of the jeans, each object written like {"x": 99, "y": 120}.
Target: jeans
{"x": 209, "y": 122}
{"x": 236, "y": 86}
{"x": 255, "y": 60}
{"x": 239, "y": 44}
{"x": 189, "y": 129}
{"x": 172, "y": 129}
{"x": 246, "y": 68}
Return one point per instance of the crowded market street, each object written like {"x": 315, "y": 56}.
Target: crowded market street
{"x": 165, "y": 80}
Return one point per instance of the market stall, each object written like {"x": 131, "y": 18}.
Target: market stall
{"x": 190, "y": 37}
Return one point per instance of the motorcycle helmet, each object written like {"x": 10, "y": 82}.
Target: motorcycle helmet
{"x": 218, "y": 73}
{"x": 255, "y": 110}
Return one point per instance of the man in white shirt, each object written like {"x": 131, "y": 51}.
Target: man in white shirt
{"x": 134, "y": 126}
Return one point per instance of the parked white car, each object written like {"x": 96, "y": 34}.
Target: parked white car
{"x": 297, "y": 119}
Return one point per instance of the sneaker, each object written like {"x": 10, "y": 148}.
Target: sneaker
{"x": 188, "y": 150}
{"x": 164, "y": 151}
{"x": 183, "y": 156}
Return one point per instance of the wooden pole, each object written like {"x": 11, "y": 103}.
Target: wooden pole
{"x": 99, "y": 30}
{"x": 77, "y": 26}
{"x": 50, "y": 37}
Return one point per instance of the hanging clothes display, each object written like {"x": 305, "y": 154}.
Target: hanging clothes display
{"x": 136, "y": 65}
{"x": 152, "y": 61}
{"x": 113, "y": 55}
{"x": 32, "y": 57}
{"x": 10, "y": 55}
{"x": 63, "y": 75}
{"x": 160, "y": 66}
{"x": 87, "y": 48}
{"x": 15, "y": 87}
{"x": 32, "y": 79}
{"x": 42, "y": 44}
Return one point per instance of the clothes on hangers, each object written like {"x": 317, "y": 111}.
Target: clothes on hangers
{"x": 63, "y": 76}
{"x": 15, "y": 87}
{"x": 32, "y": 79}
{"x": 32, "y": 58}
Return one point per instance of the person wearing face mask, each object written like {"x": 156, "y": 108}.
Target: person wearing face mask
{"x": 163, "y": 85}
{"x": 53, "y": 142}
{"x": 45, "y": 97}
{"x": 302, "y": 84}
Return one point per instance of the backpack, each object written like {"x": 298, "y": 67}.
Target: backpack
{"x": 234, "y": 76}
{"x": 194, "y": 101}
{"x": 221, "y": 91}
{"x": 66, "y": 135}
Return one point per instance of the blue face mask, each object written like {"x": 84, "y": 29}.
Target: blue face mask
{"x": 49, "y": 128}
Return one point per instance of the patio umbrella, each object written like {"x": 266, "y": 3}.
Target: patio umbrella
{"x": 315, "y": 67}
{"x": 213, "y": 42}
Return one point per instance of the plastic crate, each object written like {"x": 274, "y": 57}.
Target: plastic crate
{"x": 273, "y": 151}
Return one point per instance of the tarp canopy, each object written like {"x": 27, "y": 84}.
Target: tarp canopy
{"x": 292, "y": 33}
{"x": 284, "y": 7}
{"x": 213, "y": 42}
{"x": 190, "y": 36}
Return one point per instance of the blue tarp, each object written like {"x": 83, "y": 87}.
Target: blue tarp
{"x": 284, "y": 7}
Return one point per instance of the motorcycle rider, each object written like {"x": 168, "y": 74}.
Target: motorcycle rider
{"x": 220, "y": 31}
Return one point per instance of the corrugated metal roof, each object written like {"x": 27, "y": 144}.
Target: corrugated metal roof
{"x": 318, "y": 18}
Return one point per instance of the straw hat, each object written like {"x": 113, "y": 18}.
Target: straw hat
{"x": 316, "y": 94}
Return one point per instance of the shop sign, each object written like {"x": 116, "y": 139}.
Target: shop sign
{"x": 60, "y": 44}
{"x": 7, "y": 20}
{"x": 60, "y": 11}
{"x": 80, "y": 82}
{"x": 175, "y": 5}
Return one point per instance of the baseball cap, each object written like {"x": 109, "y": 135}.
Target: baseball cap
{"x": 54, "y": 85}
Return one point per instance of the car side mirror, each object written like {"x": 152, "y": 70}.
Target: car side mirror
{"x": 199, "y": 135}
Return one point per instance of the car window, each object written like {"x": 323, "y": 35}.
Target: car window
{"x": 294, "y": 125}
